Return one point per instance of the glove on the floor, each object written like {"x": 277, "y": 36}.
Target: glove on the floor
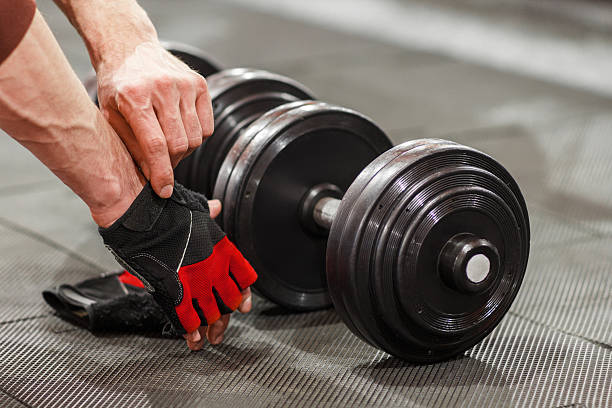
{"x": 114, "y": 302}
{"x": 181, "y": 256}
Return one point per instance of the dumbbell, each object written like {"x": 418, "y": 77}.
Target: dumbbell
{"x": 421, "y": 248}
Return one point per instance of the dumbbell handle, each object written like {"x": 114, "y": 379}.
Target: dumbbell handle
{"x": 325, "y": 211}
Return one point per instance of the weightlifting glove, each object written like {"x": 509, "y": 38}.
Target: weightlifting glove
{"x": 181, "y": 256}
{"x": 114, "y": 301}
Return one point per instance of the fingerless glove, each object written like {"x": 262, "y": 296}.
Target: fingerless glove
{"x": 181, "y": 256}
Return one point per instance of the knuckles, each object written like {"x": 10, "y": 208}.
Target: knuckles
{"x": 200, "y": 83}
{"x": 156, "y": 145}
{"x": 195, "y": 140}
{"x": 138, "y": 92}
{"x": 132, "y": 96}
{"x": 135, "y": 96}
{"x": 178, "y": 147}
{"x": 166, "y": 83}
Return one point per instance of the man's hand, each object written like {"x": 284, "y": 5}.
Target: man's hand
{"x": 159, "y": 107}
{"x": 183, "y": 259}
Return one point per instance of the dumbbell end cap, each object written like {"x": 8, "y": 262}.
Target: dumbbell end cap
{"x": 468, "y": 263}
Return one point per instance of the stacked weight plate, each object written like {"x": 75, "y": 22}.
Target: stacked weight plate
{"x": 384, "y": 248}
{"x": 266, "y": 176}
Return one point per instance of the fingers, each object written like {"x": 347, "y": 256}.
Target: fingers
{"x": 214, "y": 207}
{"x": 152, "y": 141}
{"x": 160, "y": 136}
{"x": 177, "y": 110}
{"x": 169, "y": 116}
{"x": 191, "y": 122}
{"x": 229, "y": 294}
{"x": 186, "y": 309}
{"x": 247, "y": 302}
{"x": 215, "y": 332}
{"x": 208, "y": 305}
{"x": 195, "y": 339}
{"x": 204, "y": 110}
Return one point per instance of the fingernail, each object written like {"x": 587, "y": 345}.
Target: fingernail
{"x": 166, "y": 191}
{"x": 195, "y": 336}
{"x": 248, "y": 302}
{"x": 214, "y": 205}
{"x": 218, "y": 340}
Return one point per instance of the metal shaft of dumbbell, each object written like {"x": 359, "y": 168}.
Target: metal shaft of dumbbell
{"x": 325, "y": 211}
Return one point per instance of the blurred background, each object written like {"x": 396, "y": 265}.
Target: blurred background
{"x": 527, "y": 81}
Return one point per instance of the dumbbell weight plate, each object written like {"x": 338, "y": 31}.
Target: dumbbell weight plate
{"x": 311, "y": 144}
{"x": 384, "y": 249}
{"x": 239, "y": 96}
{"x": 230, "y": 161}
{"x": 366, "y": 175}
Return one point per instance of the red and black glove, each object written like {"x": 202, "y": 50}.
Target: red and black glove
{"x": 181, "y": 256}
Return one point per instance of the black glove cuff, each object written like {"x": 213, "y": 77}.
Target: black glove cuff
{"x": 142, "y": 214}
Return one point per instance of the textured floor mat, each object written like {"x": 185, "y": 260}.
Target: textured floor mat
{"x": 271, "y": 358}
{"x": 27, "y": 266}
{"x": 552, "y": 349}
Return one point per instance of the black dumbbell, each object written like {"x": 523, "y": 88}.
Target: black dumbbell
{"x": 421, "y": 247}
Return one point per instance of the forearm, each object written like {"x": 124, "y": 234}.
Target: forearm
{"x": 111, "y": 29}
{"x": 45, "y": 108}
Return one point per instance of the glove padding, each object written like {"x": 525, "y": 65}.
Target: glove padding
{"x": 181, "y": 256}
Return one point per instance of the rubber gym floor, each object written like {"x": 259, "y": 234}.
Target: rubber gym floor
{"x": 554, "y": 347}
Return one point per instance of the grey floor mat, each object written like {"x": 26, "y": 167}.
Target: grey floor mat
{"x": 553, "y": 349}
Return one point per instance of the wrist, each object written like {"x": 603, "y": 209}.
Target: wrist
{"x": 116, "y": 188}
{"x": 111, "y": 29}
{"x": 108, "y": 52}
{"x": 113, "y": 201}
